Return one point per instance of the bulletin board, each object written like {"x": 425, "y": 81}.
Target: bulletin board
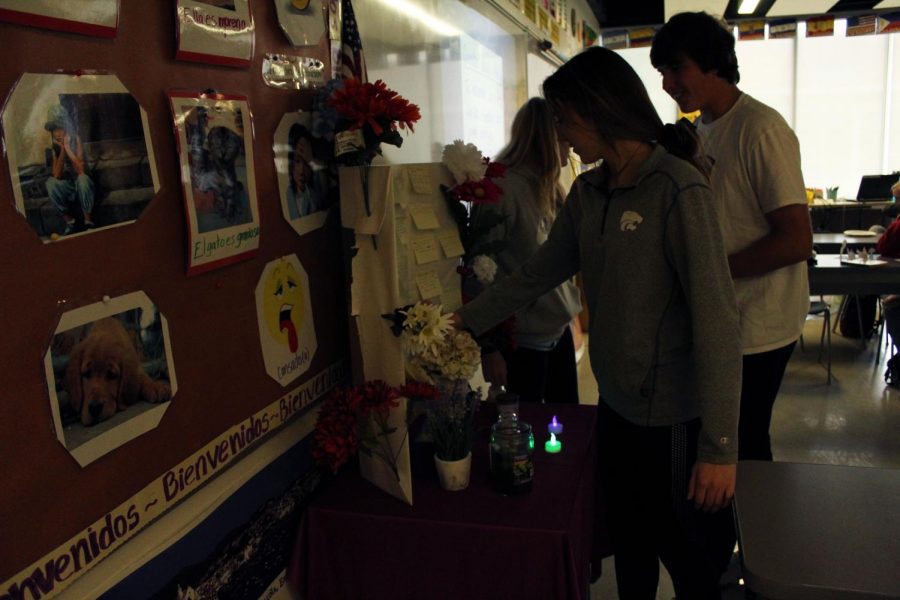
{"x": 206, "y": 325}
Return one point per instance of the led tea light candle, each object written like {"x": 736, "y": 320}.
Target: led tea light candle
{"x": 553, "y": 445}
{"x": 555, "y": 427}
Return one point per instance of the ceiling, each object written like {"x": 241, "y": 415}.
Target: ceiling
{"x": 630, "y": 13}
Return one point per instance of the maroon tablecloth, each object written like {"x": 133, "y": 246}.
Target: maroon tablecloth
{"x": 356, "y": 541}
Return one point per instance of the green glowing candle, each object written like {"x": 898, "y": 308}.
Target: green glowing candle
{"x": 553, "y": 445}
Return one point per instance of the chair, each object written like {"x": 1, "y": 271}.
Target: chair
{"x": 820, "y": 308}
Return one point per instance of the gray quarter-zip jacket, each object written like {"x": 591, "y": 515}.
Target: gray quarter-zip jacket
{"x": 665, "y": 339}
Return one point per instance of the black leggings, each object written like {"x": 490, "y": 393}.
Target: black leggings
{"x": 643, "y": 475}
{"x": 549, "y": 375}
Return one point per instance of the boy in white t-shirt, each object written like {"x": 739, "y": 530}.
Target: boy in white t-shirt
{"x": 757, "y": 180}
{"x": 765, "y": 219}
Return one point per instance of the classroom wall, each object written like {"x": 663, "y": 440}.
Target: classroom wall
{"x": 48, "y": 497}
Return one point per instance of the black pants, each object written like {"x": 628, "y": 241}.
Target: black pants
{"x": 549, "y": 375}
{"x": 644, "y": 473}
{"x": 762, "y": 377}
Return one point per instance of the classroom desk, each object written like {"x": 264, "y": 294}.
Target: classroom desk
{"x": 841, "y": 215}
{"x": 831, "y": 243}
{"x": 818, "y": 532}
{"x": 829, "y": 276}
{"x": 355, "y": 541}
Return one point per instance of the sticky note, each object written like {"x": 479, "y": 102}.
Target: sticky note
{"x": 429, "y": 285}
{"x": 425, "y": 248}
{"x": 450, "y": 242}
{"x": 423, "y": 216}
{"x": 420, "y": 178}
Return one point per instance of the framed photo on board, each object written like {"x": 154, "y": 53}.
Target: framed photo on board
{"x": 99, "y": 18}
{"x": 215, "y": 148}
{"x": 215, "y": 31}
{"x": 79, "y": 153}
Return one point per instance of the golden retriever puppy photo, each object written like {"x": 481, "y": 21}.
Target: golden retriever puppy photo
{"x": 104, "y": 374}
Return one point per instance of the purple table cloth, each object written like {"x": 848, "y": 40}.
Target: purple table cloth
{"x": 356, "y": 541}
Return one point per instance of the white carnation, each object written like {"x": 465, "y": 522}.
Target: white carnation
{"x": 464, "y": 161}
{"x": 484, "y": 268}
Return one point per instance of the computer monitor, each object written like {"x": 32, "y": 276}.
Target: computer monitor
{"x": 875, "y": 187}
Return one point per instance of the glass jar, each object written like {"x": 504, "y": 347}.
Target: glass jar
{"x": 512, "y": 447}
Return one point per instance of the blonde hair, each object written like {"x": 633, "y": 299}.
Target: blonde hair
{"x": 533, "y": 145}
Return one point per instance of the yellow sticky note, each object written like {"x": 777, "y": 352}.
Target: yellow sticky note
{"x": 420, "y": 178}
{"x": 429, "y": 285}
{"x": 450, "y": 242}
{"x": 424, "y": 217}
{"x": 425, "y": 249}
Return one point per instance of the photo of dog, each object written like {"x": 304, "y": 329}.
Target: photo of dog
{"x": 104, "y": 374}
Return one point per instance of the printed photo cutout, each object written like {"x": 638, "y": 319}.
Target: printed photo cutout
{"x": 287, "y": 332}
{"x": 306, "y": 187}
{"x": 110, "y": 374}
{"x": 79, "y": 153}
{"x": 215, "y": 147}
{"x": 99, "y": 18}
{"x": 219, "y": 32}
{"x": 303, "y": 21}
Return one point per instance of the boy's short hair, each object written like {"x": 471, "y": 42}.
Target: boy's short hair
{"x": 700, "y": 37}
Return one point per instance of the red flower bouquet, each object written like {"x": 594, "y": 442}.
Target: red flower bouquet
{"x": 356, "y": 419}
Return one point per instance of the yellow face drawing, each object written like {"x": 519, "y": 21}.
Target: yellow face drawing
{"x": 283, "y": 304}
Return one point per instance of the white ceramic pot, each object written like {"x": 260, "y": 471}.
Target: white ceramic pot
{"x": 454, "y": 474}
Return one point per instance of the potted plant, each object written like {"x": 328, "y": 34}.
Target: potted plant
{"x": 443, "y": 359}
{"x": 450, "y": 421}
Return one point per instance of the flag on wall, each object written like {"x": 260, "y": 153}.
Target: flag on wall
{"x": 639, "y": 38}
{"x": 889, "y": 23}
{"x": 615, "y": 39}
{"x": 752, "y": 30}
{"x": 782, "y": 28}
{"x": 864, "y": 25}
{"x": 353, "y": 63}
{"x": 820, "y": 27}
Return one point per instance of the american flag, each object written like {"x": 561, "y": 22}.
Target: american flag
{"x": 353, "y": 63}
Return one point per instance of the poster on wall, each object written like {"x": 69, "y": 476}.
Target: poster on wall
{"x": 79, "y": 153}
{"x": 303, "y": 21}
{"x": 215, "y": 149}
{"x": 305, "y": 186}
{"x": 215, "y": 31}
{"x": 287, "y": 331}
{"x": 99, "y": 18}
{"x": 110, "y": 374}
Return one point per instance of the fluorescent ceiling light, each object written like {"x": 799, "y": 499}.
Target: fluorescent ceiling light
{"x": 747, "y": 7}
{"x": 416, "y": 12}
{"x": 713, "y": 7}
{"x": 791, "y": 8}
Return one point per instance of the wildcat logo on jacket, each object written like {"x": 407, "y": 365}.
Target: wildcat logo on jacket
{"x": 630, "y": 221}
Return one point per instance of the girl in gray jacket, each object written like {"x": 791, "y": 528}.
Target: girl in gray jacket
{"x": 664, "y": 336}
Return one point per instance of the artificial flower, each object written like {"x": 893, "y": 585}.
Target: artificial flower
{"x": 483, "y": 191}
{"x": 425, "y": 326}
{"x": 356, "y": 419}
{"x": 484, "y": 269}
{"x": 464, "y": 161}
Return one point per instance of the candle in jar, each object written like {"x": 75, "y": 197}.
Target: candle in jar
{"x": 553, "y": 445}
{"x": 555, "y": 427}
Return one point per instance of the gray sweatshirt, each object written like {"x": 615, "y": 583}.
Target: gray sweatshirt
{"x": 665, "y": 340}
{"x": 524, "y": 229}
